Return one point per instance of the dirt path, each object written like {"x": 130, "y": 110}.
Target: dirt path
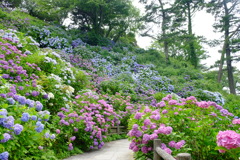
{"x": 115, "y": 150}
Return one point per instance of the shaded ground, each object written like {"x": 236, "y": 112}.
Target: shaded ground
{"x": 115, "y": 150}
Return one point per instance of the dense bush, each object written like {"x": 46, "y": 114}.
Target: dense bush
{"x": 183, "y": 125}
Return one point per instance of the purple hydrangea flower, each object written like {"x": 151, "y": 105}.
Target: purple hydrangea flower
{"x": 72, "y": 138}
{"x": 47, "y": 135}
{"x": 3, "y": 95}
{"x": 5, "y": 76}
{"x": 20, "y": 88}
{"x": 75, "y": 129}
{"x": 45, "y": 96}
{"x": 35, "y": 93}
{"x": 70, "y": 147}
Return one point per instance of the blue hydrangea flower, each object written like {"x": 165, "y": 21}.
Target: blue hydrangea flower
{"x": 52, "y": 136}
{"x": 17, "y": 129}
{"x": 3, "y": 115}
{"x": 39, "y": 106}
{"x": 34, "y": 118}
{"x": 8, "y": 122}
{"x": 44, "y": 115}
{"x": 47, "y": 135}
{"x": 6, "y": 138}
{"x": 30, "y": 103}
{"x": 4, "y": 156}
{"x": 21, "y": 100}
{"x": 3, "y": 112}
{"x": 39, "y": 127}
{"x": 11, "y": 101}
{"x": 25, "y": 117}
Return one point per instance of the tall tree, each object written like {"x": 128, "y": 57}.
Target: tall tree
{"x": 227, "y": 16}
{"x": 187, "y": 8}
{"x": 103, "y": 17}
{"x": 159, "y": 12}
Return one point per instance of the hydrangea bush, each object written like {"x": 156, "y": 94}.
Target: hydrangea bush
{"x": 23, "y": 128}
{"x": 87, "y": 122}
{"x": 184, "y": 125}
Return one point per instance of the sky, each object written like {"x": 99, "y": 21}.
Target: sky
{"x": 202, "y": 26}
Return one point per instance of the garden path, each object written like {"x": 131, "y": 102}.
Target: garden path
{"x": 115, "y": 150}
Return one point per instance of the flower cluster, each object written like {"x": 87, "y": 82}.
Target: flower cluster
{"x": 228, "y": 139}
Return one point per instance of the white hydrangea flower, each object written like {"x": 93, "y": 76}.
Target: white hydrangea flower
{"x": 50, "y": 95}
{"x": 50, "y": 60}
{"x": 56, "y": 77}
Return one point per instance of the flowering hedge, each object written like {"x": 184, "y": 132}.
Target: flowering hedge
{"x": 184, "y": 125}
{"x": 87, "y": 122}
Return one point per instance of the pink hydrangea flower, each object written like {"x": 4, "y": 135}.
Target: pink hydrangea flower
{"x": 164, "y": 111}
{"x": 147, "y": 122}
{"x": 172, "y": 102}
{"x": 203, "y": 104}
{"x": 58, "y": 131}
{"x": 236, "y": 121}
{"x": 228, "y": 139}
{"x": 161, "y": 104}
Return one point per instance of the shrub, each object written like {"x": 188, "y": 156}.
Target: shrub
{"x": 173, "y": 121}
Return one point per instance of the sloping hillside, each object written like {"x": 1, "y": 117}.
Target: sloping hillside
{"x": 60, "y": 95}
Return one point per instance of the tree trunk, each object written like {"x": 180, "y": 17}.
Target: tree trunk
{"x": 220, "y": 69}
{"x": 227, "y": 49}
{"x": 193, "y": 56}
{"x": 166, "y": 51}
{"x": 165, "y": 39}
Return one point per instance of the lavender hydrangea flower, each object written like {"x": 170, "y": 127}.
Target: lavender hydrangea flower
{"x": 17, "y": 129}
{"x": 47, "y": 135}
{"x": 25, "y": 117}
{"x": 6, "y": 138}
